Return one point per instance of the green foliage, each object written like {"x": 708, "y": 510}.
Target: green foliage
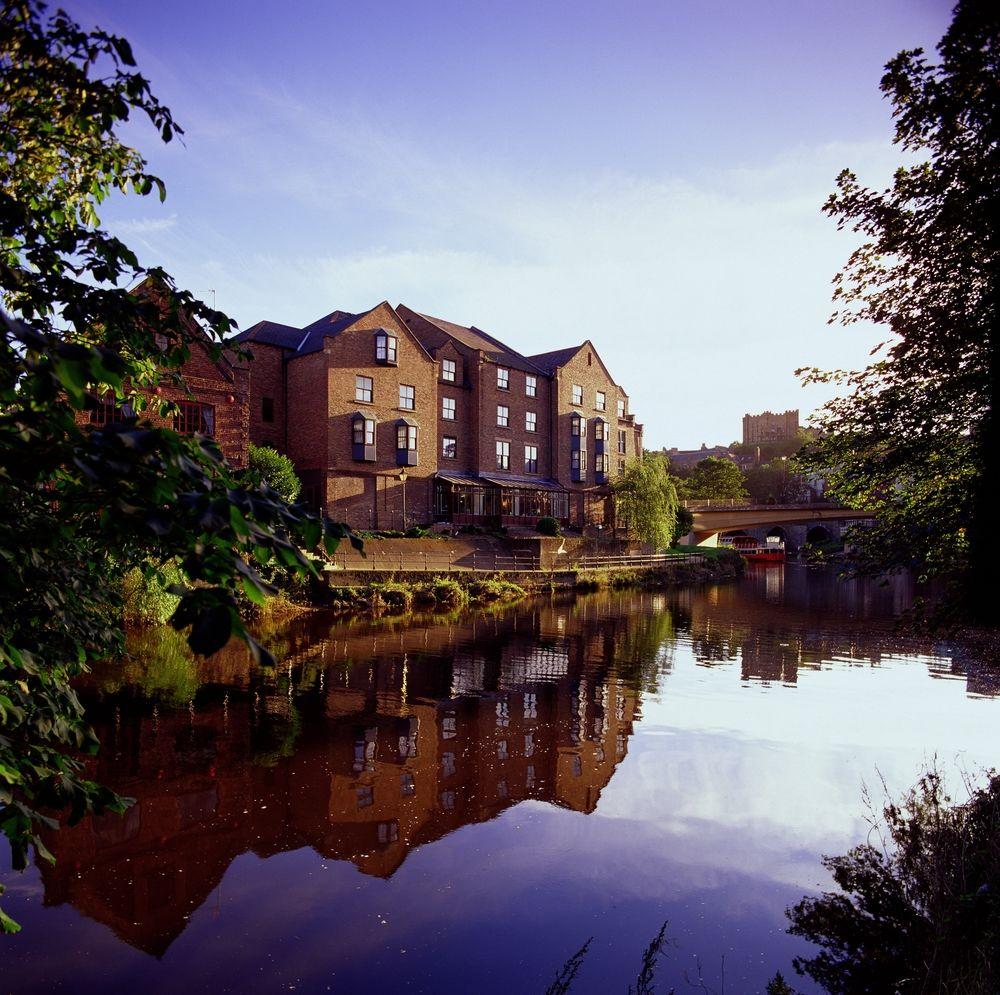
{"x": 146, "y": 596}
{"x": 646, "y": 500}
{"x": 79, "y": 505}
{"x": 548, "y": 526}
{"x": 449, "y": 593}
{"x": 713, "y": 479}
{"x": 495, "y": 589}
{"x": 921, "y": 911}
{"x": 916, "y": 436}
{"x": 776, "y": 483}
{"x": 684, "y": 523}
{"x": 268, "y": 466}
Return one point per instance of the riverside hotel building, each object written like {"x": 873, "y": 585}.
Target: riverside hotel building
{"x": 394, "y": 418}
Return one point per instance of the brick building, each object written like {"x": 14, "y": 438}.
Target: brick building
{"x": 393, "y": 417}
{"x": 213, "y": 397}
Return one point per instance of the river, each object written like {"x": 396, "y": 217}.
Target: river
{"x": 456, "y": 804}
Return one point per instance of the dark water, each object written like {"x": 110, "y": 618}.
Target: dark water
{"x": 456, "y": 805}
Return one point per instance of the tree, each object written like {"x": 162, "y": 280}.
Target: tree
{"x": 268, "y": 466}
{"x": 917, "y": 437}
{"x": 646, "y": 500}
{"x": 81, "y": 505}
{"x": 776, "y": 483}
{"x": 714, "y": 479}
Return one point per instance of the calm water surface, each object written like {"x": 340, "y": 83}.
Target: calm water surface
{"x": 457, "y": 804}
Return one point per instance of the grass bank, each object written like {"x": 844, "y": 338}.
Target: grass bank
{"x": 722, "y": 565}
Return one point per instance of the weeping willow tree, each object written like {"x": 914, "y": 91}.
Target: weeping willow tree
{"x": 916, "y": 436}
{"x": 646, "y": 500}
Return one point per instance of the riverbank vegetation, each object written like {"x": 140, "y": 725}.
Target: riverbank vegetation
{"x": 83, "y": 504}
{"x": 918, "y": 910}
{"x": 915, "y": 438}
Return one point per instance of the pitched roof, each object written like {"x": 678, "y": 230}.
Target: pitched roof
{"x": 326, "y": 327}
{"x": 551, "y": 361}
{"x": 475, "y": 338}
{"x": 272, "y": 333}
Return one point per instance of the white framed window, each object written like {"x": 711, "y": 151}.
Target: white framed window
{"x": 601, "y": 401}
{"x": 364, "y": 431}
{"x": 578, "y": 463}
{"x": 531, "y": 459}
{"x": 503, "y": 455}
{"x": 503, "y": 416}
{"x": 530, "y": 385}
{"x": 503, "y": 378}
{"x": 385, "y": 348}
{"x": 448, "y": 370}
{"x": 407, "y": 397}
{"x": 363, "y": 389}
{"x": 530, "y": 421}
{"x": 579, "y": 426}
{"x": 622, "y": 440}
{"x": 621, "y": 407}
{"x": 577, "y": 394}
{"x": 599, "y": 430}
{"x": 406, "y": 437}
{"x": 448, "y": 408}
{"x": 600, "y": 463}
{"x": 449, "y": 447}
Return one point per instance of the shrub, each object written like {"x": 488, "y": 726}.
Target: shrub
{"x": 449, "y": 593}
{"x": 268, "y": 466}
{"x": 398, "y": 597}
{"x": 495, "y": 589}
{"x": 548, "y": 526}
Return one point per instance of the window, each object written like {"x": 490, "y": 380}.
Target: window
{"x": 621, "y": 441}
{"x": 193, "y": 416}
{"x": 621, "y": 408}
{"x": 529, "y": 421}
{"x": 448, "y": 408}
{"x": 601, "y": 402}
{"x": 503, "y": 378}
{"x": 109, "y": 412}
{"x": 448, "y": 370}
{"x": 530, "y": 385}
{"x": 577, "y": 394}
{"x": 363, "y": 389}
{"x": 385, "y": 348}
{"x": 600, "y": 463}
{"x": 503, "y": 415}
{"x": 599, "y": 430}
{"x": 578, "y": 464}
{"x": 366, "y": 796}
{"x": 407, "y": 397}
{"x": 503, "y": 455}
{"x": 579, "y": 427}
{"x": 449, "y": 447}
{"x": 364, "y": 431}
{"x": 267, "y": 409}
{"x": 621, "y": 466}
{"x": 531, "y": 459}
{"x": 406, "y": 437}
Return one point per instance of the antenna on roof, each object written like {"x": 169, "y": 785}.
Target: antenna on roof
{"x": 211, "y": 290}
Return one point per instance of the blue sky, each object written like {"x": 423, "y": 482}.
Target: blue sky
{"x": 646, "y": 175}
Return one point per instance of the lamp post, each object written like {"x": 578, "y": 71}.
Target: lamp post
{"x": 402, "y": 480}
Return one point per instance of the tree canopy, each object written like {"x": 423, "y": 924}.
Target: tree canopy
{"x": 916, "y": 437}
{"x": 268, "y": 466}
{"x": 80, "y": 504}
{"x": 646, "y": 500}
{"x": 713, "y": 479}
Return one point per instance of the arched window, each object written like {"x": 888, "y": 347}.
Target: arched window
{"x": 385, "y": 347}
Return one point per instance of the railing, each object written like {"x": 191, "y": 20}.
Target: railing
{"x": 640, "y": 560}
{"x": 447, "y": 560}
{"x": 736, "y": 503}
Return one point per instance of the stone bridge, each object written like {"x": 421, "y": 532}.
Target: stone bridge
{"x": 795, "y": 523}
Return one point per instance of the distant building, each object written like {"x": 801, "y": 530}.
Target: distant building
{"x": 684, "y": 458}
{"x": 770, "y": 427}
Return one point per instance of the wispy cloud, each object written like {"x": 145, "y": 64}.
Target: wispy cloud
{"x": 144, "y": 226}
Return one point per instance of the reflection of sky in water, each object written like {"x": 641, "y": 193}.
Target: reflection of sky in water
{"x": 747, "y": 763}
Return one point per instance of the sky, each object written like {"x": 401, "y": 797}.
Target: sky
{"x": 649, "y": 176}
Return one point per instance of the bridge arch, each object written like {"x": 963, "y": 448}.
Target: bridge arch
{"x": 818, "y": 534}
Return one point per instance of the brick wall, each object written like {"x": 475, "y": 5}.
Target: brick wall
{"x": 267, "y": 383}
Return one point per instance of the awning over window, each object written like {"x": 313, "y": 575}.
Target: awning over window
{"x": 525, "y": 482}
{"x": 467, "y": 480}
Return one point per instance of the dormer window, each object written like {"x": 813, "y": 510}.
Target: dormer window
{"x": 385, "y": 348}
{"x": 363, "y": 437}
{"x": 448, "y": 370}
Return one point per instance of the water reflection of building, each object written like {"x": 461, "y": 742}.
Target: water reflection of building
{"x": 364, "y": 748}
